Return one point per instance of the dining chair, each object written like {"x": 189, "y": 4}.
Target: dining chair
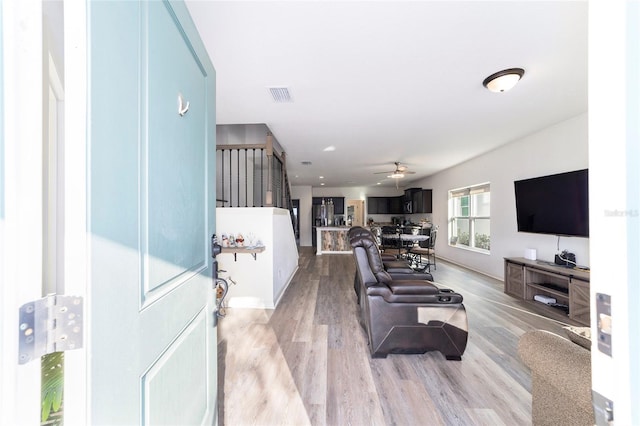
{"x": 427, "y": 249}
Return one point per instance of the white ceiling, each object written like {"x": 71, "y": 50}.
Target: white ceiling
{"x": 387, "y": 81}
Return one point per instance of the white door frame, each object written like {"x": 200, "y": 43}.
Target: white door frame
{"x": 76, "y": 246}
{"x": 21, "y": 227}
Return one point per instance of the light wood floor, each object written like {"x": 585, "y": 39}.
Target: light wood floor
{"x": 307, "y": 361}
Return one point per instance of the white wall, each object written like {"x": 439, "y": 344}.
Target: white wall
{"x": 559, "y": 148}
{"x": 285, "y": 252}
{"x": 261, "y": 281}
{"x": 303, "y": 193}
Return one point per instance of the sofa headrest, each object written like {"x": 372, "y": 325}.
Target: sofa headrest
{"x": 356, "y": 231}
{"x": 363, "y": 238}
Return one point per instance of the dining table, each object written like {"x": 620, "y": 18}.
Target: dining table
{"x": 402, "y": 238}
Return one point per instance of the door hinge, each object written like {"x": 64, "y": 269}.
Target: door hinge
{"x": 51, "y": 324}
{"x": 603, "y": 409}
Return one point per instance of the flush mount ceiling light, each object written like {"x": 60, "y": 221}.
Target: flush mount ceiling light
{"x": 503, "y": 80}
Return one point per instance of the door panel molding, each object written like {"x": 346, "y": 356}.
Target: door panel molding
{"x": 172, "y": 161}
{"x": 181, "y": 365}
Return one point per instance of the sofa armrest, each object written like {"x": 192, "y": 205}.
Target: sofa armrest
{"x": 413, "y": 292}
{"x": 559, "y": 362}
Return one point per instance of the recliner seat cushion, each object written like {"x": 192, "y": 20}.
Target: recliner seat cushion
{"x": 397, "y": 266}
{"x": 412, "y": 287}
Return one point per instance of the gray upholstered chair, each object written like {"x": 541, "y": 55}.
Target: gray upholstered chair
{"x": 560, "y": 379}
{"x": 405, "y": 316}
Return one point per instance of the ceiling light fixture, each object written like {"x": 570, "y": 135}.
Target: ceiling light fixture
{"x": 329, "y": 148}
{"x": 396, "y": 175}
{"x": 503, "y": 80}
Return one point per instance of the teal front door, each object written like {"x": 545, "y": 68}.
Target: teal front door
{"x": 151, "y": 349}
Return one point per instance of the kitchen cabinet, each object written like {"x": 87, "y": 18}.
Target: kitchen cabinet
{"x": 338, "y": 203}
{"x": 378, "y": 205}
{"x": 417, "y": 200}
{"x": 384, "y": 205}
{"x": 396, "y": 205}
{"x": 421, "y": 201}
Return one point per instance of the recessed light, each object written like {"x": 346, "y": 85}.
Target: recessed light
{"x": 321, "y": 177}
{"x": 322, "y": 184}
{"x": 329, "y": 148}
{"x": 378, "y": 183}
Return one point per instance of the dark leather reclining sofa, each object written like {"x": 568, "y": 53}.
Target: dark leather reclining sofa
{"x": 404, "y": 312}
{"x": 397, "y": 269}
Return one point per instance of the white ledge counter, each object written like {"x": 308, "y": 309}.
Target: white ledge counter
{"x": 332, "y": 240}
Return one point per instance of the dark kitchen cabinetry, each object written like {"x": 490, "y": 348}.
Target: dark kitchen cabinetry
{"x": 384, "y": 205}
{"x": 338, "y": 203}
{"x": 377, "y": 205}
{"x": 395, "y": 205}
{"x": 421, "y": 201}
{"x": 407, "y": 200}
{"x": 417, "y": 200}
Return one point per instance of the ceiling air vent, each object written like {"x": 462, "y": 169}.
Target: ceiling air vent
{"x": 280, "y": 94}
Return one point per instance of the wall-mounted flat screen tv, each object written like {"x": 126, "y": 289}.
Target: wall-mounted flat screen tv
{"x": 555, "y": 204}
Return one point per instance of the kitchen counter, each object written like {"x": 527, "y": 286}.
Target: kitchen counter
{"x": 332, "y": 240}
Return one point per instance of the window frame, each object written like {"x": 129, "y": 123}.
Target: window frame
{"x": 461, "y": 194}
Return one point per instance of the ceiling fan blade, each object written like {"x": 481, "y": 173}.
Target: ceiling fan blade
{"x": 399, "y": 170}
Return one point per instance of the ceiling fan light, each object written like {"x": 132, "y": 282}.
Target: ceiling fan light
{"x": 504, "y": 80}
{"x": 396, "y": 175}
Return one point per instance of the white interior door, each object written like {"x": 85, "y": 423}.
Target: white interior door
{"x": 614, "y": 197}
{"x": 151, "y": 342}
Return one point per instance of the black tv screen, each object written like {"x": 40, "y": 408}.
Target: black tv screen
{"x": 555, "y": 204}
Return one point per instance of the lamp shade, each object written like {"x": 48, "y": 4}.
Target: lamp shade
{"x": 503, "y": 80}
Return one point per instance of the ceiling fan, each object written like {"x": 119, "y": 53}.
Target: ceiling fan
{"x": 398, "y": 173}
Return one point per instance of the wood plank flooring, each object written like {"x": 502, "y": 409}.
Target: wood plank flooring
{"x": 307, "y": 362}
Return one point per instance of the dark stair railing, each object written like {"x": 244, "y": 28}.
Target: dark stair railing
{"x": 252, "y": 175}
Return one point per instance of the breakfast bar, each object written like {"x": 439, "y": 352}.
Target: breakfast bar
{"x": 332, "y": 240}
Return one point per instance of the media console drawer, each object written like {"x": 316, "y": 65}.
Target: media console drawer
{"x": 525, "y": 279}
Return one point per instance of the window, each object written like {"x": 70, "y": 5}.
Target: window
{"x": 470, "y": 217}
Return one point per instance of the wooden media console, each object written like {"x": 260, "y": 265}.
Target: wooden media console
{"x": 525, "y": 279}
